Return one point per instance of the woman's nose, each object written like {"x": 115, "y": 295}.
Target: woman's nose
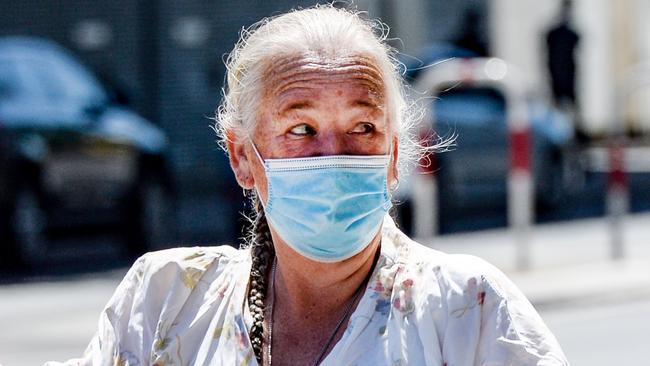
{"x": 332, "y": 143}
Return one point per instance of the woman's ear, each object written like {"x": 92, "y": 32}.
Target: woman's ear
{"x": 238, "y": 160}
{"x": 393, "y": 174}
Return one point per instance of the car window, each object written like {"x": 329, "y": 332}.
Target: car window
{"x": 80, "y": 85}
{"x": 10, "y": 83}
{"x": 58, "y": 78}
{"x": 43, "y": 79}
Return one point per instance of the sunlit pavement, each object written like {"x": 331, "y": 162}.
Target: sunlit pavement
{"x": 51, "y": 320}
{"x": 593, "y": 334}
{"x": 598, "y": 309}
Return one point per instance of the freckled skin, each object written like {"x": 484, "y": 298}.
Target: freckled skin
{"x": 315, "y": 106}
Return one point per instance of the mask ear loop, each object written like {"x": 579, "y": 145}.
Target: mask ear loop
{"x": 261, "y": 160}
{"x": 259, "y": 157}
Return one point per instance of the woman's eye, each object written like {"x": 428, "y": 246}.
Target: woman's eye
{"x": 363, "y": 127}
{"x": 302, "y": 130}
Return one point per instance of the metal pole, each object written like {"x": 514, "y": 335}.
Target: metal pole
{"x": 617, "y": 196}
{"x": 520, "y": 188}
{"x": 497, "y": 74}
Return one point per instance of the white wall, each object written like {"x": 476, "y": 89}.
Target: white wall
{"x": 597, "y": 81}
{"x": 642, "y": 45}
{"x": 517, "y": 28}
{"x": 408, "y": 20}
{"x": 614, "y": 34}
{"x": 642, "y": 41}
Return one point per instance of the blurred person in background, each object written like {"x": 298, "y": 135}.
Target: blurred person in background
{"x": 561, "y": 43}
{"x": 470, "y": 37}
{"x": 317, "y": 129}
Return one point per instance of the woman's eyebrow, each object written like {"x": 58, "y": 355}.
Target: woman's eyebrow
{"x": 302, "y": 104}
{"x": 364, "y": 103}
{"x": 294, "y": 105}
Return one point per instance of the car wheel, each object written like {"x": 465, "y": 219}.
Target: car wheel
{"x": 28, "y": 223}
{"x": 151, "y": 226}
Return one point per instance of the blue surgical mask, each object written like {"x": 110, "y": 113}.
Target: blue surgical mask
{"x": 327, "y": 208}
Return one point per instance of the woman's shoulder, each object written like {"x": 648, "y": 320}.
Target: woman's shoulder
{"x": 184, "y": 256}
{"x": 410, "y": 254}
{"x": 474, "y": 297}
{"x": 160, "y": 283}
{"x": 162, "y": 270}
{"x": 452, "y": 273}
{"x": 459, "y": 268}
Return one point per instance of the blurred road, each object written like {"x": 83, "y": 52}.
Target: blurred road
{"x": 603, "y": 334}
{"x": 51, "y": 320}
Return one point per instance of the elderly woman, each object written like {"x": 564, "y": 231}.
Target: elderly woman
{"x": 317, "y": 128}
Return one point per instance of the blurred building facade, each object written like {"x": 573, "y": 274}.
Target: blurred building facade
{"x": 166, "y": 58}
{"x": 615, "y": 39}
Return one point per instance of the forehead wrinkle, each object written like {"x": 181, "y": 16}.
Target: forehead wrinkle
{"x": 325, "y": 72}
{"x": 300, "y": 97}
{"x": 313, "y": 83}
{"x": 303, "y": 87}
{"x": 305, "y": 72}
{"x": 282, "y": 64}
{"x": 366, "y": 76}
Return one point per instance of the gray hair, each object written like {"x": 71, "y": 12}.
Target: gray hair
{"x": 323, "y": 29}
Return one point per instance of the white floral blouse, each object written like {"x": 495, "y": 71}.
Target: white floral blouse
{"x": 186, "y": 306}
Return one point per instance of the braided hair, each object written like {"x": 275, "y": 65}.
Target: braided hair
{"x": 262, "y": 253}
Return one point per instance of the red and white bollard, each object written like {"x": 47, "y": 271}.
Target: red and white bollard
{"x": 495, "y": 73}
{"x": 618, "y": 196}
{"x": 520, "y": 188}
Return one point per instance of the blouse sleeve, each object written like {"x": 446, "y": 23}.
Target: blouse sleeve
{"x": 122, "y": 330}
{"x": 511, "y": 331}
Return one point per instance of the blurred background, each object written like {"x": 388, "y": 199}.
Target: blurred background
{"x": 106, "y": 152}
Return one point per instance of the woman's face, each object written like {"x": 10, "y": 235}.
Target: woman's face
{"x": 314, "y": 106}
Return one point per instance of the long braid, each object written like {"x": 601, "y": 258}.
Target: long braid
{"x": 262, "y": 253}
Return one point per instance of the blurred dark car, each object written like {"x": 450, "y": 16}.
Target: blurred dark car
{"x": 71, "y": 158}
{"x": 472, "y": 178}
{"x": 474, "y": 174}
